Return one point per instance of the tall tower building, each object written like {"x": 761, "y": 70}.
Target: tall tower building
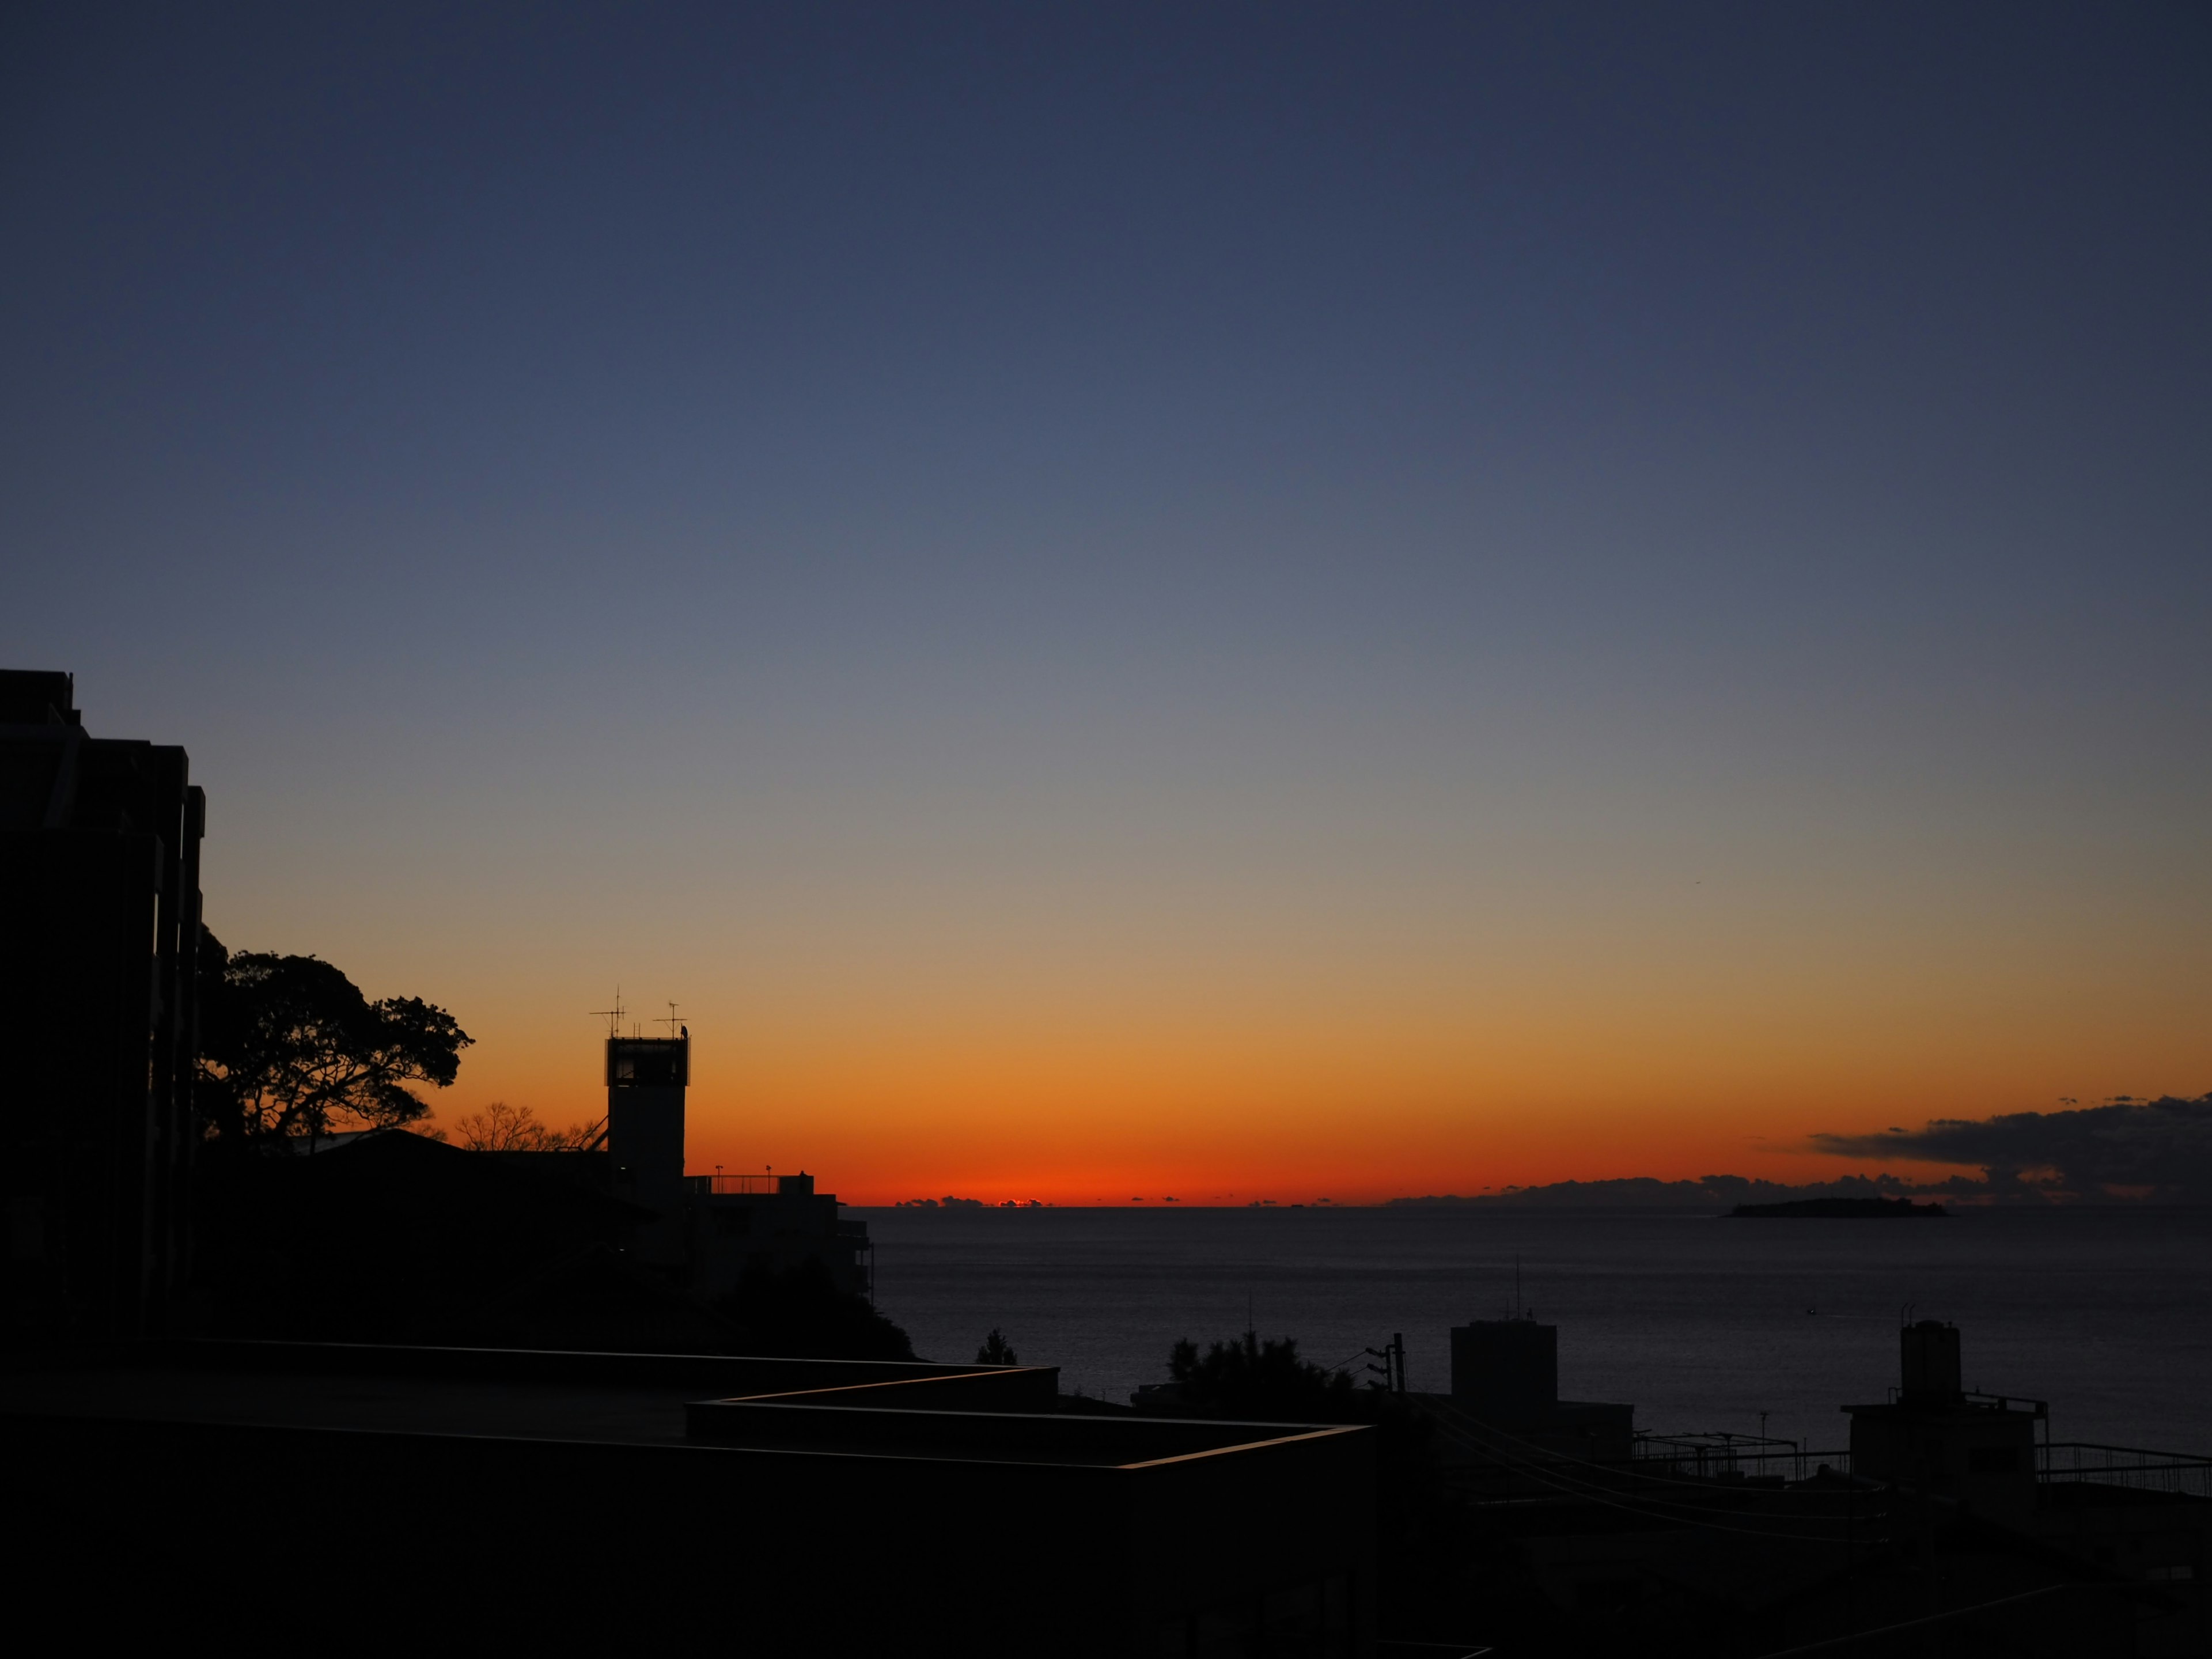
{"x": 712, "y": 1228}
{"x": 646, "y": 1078}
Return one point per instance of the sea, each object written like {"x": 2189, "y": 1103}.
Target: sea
{"x": 1705, "y": 1324}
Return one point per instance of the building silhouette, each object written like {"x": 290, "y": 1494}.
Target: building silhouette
{"x": 706, "y": 1230}
{"x": 1947, "y": 1525}
{"x": 647, "y": 1077}
{"x": 1934, "y": 1436}
{"x": 1505, "y": 1374}
{"x": 99, "y": 926}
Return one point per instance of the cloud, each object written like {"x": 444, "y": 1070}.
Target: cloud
{"x": 2126, "y": 1148}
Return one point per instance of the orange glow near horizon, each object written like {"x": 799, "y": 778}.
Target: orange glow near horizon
{"x": 959, "y": 1011}
{"x": 1239, "y": 1117}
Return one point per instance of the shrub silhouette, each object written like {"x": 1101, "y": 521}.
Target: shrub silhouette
{"x": 797, "y": 1313}
{"x": 1246, "y": 1378}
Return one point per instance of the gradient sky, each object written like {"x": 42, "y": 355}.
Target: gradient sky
{"x": 1219, "y": 600}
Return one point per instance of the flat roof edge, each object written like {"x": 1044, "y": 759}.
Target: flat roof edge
{"x": 389, "y": 1356}
{"x": 1320, "y": 1432}
{"x": 59, "y": 1420}
{"x": 1134, "y": 1424}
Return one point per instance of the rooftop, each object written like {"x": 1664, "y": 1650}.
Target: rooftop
{"x": 877, "y": 1409}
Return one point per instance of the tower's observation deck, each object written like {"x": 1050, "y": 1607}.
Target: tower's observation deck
{"x": 645, "y": 1080}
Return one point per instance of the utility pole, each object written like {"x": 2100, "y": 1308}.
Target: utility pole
{"x": 1392, "y": 1370}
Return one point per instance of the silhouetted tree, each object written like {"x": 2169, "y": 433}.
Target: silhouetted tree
{"x": 1267, "y": 1383}
{"x": 1246, "y": 1378}
{"x": 500, "y": 1127}
{"x": 799, "y": 1313}
{"x": 290, "y": 1047}
{"x": 997, "y": 1350}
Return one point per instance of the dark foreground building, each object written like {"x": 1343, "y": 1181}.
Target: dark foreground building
{"x": 371, "y": 1498}
{"x": 99, "y": 919}
{"x": 1952, "y": 1525}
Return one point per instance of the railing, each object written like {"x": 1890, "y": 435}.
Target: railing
{"x": 2005, "y": 1402}
{"x": 1993, "y": 1402}
{"x": 730, "y": 1183}
{"x": 1737, "y": 1457}
{"x": 2068, "y": 1462}
{"x": 1742, "y": 1465}
{"x": 1732, "y": 1457}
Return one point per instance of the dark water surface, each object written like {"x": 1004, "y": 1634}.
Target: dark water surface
{"x": 1703, "y": 1323}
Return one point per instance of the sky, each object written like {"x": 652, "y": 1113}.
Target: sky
{"x": 1230, "y": 601}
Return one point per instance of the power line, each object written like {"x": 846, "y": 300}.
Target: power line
{"x": 1495, "y": 1432}
{"x": 1654, "y": 1509}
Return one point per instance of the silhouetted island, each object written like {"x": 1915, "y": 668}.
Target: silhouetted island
{"x": 1837, "y": 1209}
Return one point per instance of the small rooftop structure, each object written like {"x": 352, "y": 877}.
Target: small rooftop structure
{"x": 1506, "y": 1376}
{"x": 1935, "y": 1437}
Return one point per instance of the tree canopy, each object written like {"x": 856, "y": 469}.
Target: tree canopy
{"x": 500, "y": 1127}
{"x": 290, "y": 1047}
{"x": 1246, "y": 1378}
{"x": 1267, "y": 1383}
{"x": 798, "y": 1311}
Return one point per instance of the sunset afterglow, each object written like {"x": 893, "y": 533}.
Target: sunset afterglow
{"x": 1273, "y": 609}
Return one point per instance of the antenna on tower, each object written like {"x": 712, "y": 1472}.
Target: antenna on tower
{"x": 670, "y": 1021}
{"x": 612, "y": 1016}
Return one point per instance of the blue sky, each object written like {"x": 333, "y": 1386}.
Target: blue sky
{"x": 1117, "y": 513}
